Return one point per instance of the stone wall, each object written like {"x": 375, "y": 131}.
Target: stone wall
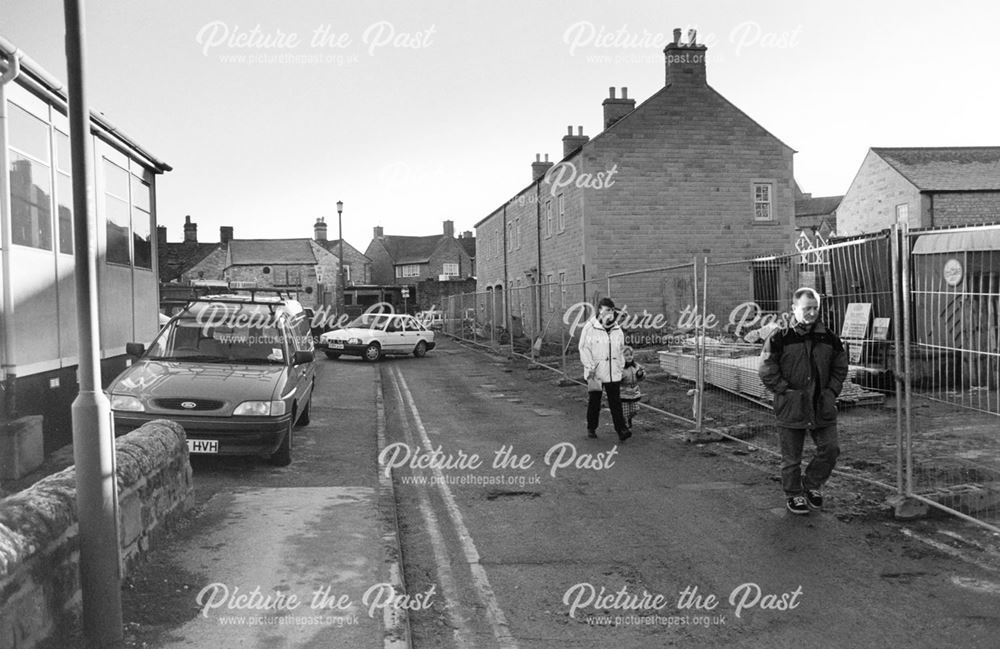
{"x": 40, "y": 595}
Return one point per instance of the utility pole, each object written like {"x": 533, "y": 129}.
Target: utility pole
{"x": 93, "y": 431}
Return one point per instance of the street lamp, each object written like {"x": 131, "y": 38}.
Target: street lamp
{"x": 340, "y": 257}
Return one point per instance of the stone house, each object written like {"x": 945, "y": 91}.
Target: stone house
{"x": 925, "y": 187}
{"x": 405, "y": 260}
{"x": 684, "y": 175}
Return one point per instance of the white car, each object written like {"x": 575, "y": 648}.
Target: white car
{"x": 372, "y": 336}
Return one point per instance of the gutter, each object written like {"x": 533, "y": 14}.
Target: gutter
{"x": 39, "y": 81}
{"x": 6, "y": 236}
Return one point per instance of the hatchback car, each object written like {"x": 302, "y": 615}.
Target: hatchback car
{"x": 236, "y": 373}
{"x": 372, "y": 336}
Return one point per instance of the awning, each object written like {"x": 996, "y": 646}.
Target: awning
{"x": 935, "y": 243}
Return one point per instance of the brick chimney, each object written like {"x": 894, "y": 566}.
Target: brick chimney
{"x": 572, "y": 143}
{"x": 190, "y": 230}
{"x": 539, "y": 168}
{"x": 225, "y": 233}
{"x": 685, "y": 61}
{"x": 319, "y": 229}
{"x": 467, "y": 234}
{"x": 161, "y": 235}
{"x": 378, "y": 233}
{"x": 615, "y": 109}
{"x": 449, "y": 229}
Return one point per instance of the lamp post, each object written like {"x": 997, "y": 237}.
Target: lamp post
{"x": 340, "y": 257}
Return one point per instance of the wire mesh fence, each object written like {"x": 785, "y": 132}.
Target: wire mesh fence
{"x": 954, "y": 368}
{"x": 658, "y": 315}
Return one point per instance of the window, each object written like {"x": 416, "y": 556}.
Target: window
{"x": 347, "y": 273}
{"x": 517, "y": 232}
{"x": 510, "y": 237}
{"x": 902, "y": 213}
{"x": 551, "y": 291}
{"x": 30, "y": 180}
{"x": 762, "y": 202}
{"x": 561, "y": 223}
{"x": 408, "y": 270}
{"x": 116, "y": 209}
{"x": 450, "y": 270}
{"x": 64, "y": 194}
{"x": 562, "y": 290}
{"x": 766, "y": 285}
{"x": 142, "y": 246}
{"x": 548, "y": 218}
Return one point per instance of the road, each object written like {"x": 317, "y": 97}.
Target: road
{"x": 688, "y": 548}
{"x": 521, "y": 532}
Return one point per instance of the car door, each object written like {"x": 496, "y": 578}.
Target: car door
{"x": 394, "y": 336}
{"x": 411, "y": 334}
{"x": 302, "y": 374}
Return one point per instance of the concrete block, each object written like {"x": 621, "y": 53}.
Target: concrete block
{"x": 703, "y": 436}
{"x": 906, "y": 508}
{"x": 21, "y": 447}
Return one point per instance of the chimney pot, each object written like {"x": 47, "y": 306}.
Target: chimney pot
{"x": 677, "y": 36}
{"x": 190, "y": 230}
{"x": 612, "y": 91}
{"x": 624, "y": 92}
{"x": 546, "y": 157}
{"x": 538, "y": 157}
{"x": 569, "y": 130}
{"x": 692, "y": 37}
{"x": 579, "y": 130}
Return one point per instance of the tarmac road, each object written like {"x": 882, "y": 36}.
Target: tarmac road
{"x": 651, "y": 543}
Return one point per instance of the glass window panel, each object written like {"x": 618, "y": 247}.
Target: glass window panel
{"x": 27, "y": 133}
{"x": 31, "y": 202}
{"x": 115, "y": 180}
{"x": 140, "y": 194}
{"x": 142, "y": 247}
{"x": 63, "y": 161}
{"x": 64, "y": 196}
{"x": 118, "y": 234}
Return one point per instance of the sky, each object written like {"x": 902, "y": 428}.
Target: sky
{"x": 413, "y": 113}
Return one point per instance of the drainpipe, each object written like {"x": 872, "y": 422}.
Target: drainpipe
{"x": 6, "y": 236}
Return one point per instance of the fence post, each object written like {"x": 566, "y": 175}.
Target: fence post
{"x": 898, "y": 369}
{"x": 905, "y": 271}
{"x": 699, "y": 356}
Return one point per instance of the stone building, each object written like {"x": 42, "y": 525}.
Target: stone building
{"x": 683, "y": 175}
{"x": 926, "y": 187}
{"x": 405, "y": 260}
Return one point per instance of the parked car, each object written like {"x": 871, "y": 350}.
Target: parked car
{"x": 372, "y": 336}
{"x": 236, "y": 372}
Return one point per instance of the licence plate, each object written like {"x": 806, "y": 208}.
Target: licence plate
{"x": 203, "y": 446}
{"x": 336, "y": 345}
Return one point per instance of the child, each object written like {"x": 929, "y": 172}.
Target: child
{"x": 631, "y": 375}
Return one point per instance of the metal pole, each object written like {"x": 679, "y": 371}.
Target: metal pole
{"x": 93, "y": 429}
{"x": 898, "y": 369}
{"x": 905, "y": 271}
{"x": 699, "y": 383}
{"x": 340, "y": 256}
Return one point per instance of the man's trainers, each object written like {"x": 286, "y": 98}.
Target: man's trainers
{"x": 797, "y": 505}
{"x": 815, "y": 498}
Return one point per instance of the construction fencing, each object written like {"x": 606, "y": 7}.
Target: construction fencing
{"x": 918, "y": 312}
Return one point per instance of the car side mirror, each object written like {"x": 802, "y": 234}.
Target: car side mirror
{"x": 301, "y": 358}
{"x": 135, "y": 349}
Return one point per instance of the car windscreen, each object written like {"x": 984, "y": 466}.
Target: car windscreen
{"x": 192, "y": 340}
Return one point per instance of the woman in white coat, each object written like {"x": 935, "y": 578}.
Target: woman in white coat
{"x": 601, "y": 352}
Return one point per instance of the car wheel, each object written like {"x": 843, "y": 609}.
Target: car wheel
{"x": 420, "y": 350}
{"x": 373, "y": 352}
{"x": 304, "y": 417}
{"x": 333, "y": 355}
{"x": 283, "y": 456}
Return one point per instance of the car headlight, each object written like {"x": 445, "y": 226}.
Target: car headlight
{"x": 260, "y": 408}
{"x": 127, "y": 403}
{"x": 353, "y": 341}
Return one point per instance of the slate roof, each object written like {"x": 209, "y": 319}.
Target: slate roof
{"x": 271, "y": 251}
{"x": 176, "y": 258}
{"x": 946, "y": 168}
{"x": 333, "y": 246}
{"x": 411, "y": 250}
{"x": 818, "y": 206}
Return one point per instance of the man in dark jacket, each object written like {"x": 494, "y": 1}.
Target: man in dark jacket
{"x": 805, "y": 366}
